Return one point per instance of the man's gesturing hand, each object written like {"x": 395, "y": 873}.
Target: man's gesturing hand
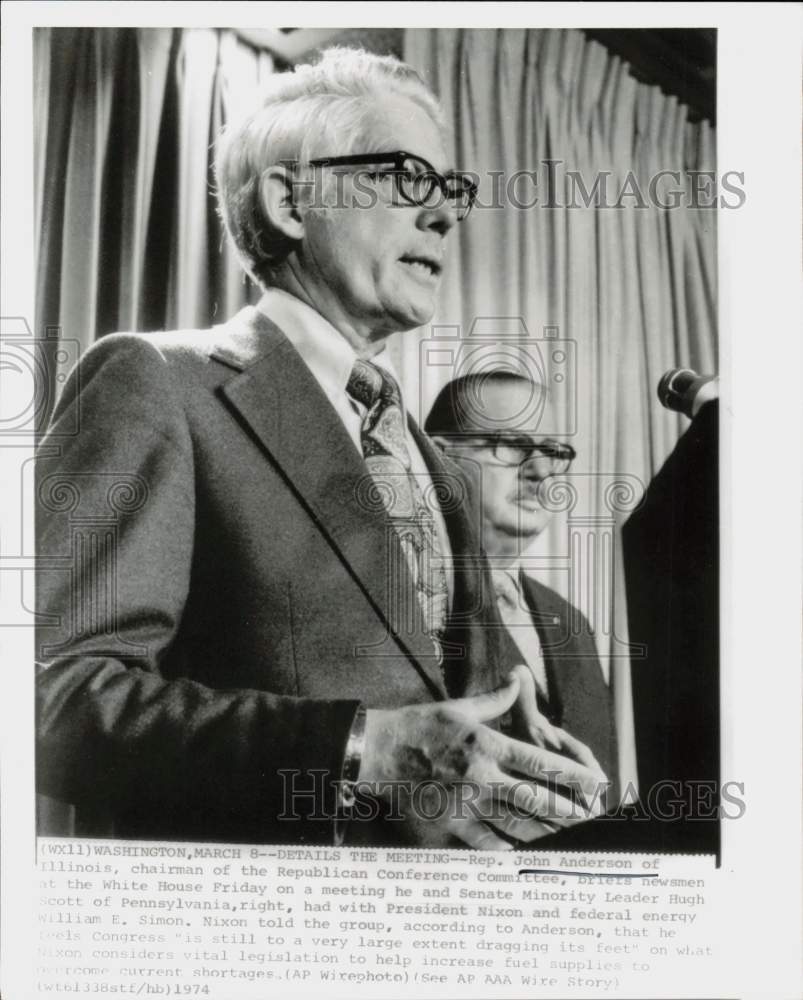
{"x": 540, "y": 731}
{"x": 447, "y": 768}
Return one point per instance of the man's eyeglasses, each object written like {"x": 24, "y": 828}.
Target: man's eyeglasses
{"x": 416, "y": 180}
{"x": 552, "y": 458}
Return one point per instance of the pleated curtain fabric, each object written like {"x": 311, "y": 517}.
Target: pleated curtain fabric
{"x": 128, "y": 236}
{"x": 632, "y": 288}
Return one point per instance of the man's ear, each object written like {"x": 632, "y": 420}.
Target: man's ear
{"x": 277, "y": 203}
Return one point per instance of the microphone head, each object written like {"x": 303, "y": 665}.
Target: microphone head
{"x": 678, "y": 390}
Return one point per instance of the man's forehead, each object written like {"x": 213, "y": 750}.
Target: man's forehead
{"x": 400, "y": 123}
{"x": 504, "y": 405}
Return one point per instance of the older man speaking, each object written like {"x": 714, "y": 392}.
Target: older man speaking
{"x": 260, "y": 618}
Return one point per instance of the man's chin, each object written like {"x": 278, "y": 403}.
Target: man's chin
{"x": 413, "y": 313}
{"x": 531, "y": 522}
{"x": 421, "y": 318}
{"x": 530, "y": 509}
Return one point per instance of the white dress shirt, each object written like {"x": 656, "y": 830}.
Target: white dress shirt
{"x": 517, "y": 618}
{"x": 330, "y": 358}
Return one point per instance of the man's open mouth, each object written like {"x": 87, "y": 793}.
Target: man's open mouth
{"x": 425, "y": 266}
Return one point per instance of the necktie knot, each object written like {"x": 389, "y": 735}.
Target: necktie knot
{"x": 368, "y": 384}
{"x": 507, "y": 589}
{"x": 517, "y": 618}
{"x": 383, "y": 422}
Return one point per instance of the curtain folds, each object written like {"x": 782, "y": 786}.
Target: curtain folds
{"x": 631, "y": 289}
{"x": 127, "y": 232}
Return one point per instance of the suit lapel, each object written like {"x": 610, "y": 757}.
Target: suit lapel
{"x": 574, "y": 673}
{"x": 549, "y": 623}
{"x": 278, "y": 398}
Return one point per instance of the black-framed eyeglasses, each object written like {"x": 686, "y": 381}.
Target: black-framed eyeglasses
{"x": 551, "y": 458}
{"x": 415, "y": 178}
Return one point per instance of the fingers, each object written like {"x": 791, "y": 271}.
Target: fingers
{"x": 478, "y": 835}
{"x": 539, "y": 729}
{"x": 530, "y": 801}
{"x": 525, "y": 828}
{"x": 554, "y": 768}
{"x": 492, "y": 704}
{"x": 517, "y": 808}
{"x": 483, "y": 837}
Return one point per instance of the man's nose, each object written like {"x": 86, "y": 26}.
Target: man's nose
{"x": 534, "y": 469}
{"x": 440, "y": 216}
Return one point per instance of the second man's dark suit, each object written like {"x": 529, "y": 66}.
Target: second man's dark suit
{"x": 579, "y": 699}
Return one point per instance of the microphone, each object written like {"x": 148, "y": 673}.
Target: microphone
{"x": 684, "y": 391}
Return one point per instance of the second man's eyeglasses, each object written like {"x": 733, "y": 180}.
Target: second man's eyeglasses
{"x": 555, "y": 456}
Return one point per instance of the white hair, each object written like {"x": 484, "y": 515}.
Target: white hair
{"x": 320, "y": 109}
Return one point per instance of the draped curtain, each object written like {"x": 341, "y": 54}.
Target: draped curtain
{"x": 629, "y": 291}
{"x": 128, "y": 238}
{"x": 127, "y": 233}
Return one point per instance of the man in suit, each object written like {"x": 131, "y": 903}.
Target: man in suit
{"x": 261, "y": 618}
{"x": 488, "y": 423}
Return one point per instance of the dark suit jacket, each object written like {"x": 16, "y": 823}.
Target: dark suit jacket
{"x": 216, "y": 595}
{"x": 579, "y": 699}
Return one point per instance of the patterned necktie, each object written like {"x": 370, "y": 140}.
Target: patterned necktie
{"x": 519, "y": 623}
{"x": 388, "y": 460}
